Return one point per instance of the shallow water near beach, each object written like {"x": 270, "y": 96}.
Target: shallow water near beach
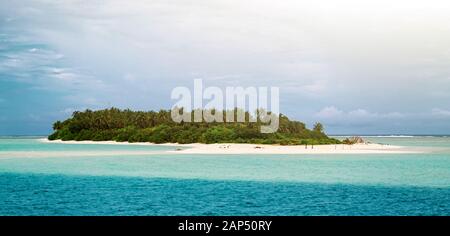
{"x": 167, "y": 184}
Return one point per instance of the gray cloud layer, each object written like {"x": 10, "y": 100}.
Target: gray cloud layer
{"x": 358, "y": 66}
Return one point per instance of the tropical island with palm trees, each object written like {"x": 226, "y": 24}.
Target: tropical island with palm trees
{"x": 157, "y": 127}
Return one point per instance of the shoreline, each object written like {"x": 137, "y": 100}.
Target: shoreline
{"x": 238, "y": 148}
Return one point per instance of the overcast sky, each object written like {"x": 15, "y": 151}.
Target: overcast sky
{"x": 358, "y": 66}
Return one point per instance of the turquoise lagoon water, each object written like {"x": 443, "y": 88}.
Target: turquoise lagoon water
{"x": 38, "y": 178}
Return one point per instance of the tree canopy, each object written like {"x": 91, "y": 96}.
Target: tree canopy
{"x": 158, "y": 127}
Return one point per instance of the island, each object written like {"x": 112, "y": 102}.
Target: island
{"x": 157, "y": 127}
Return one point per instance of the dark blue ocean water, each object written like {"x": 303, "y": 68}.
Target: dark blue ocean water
{"x": 39, "y": 194}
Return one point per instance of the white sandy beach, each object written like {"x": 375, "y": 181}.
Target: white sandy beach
{"x": 233, "y": 148}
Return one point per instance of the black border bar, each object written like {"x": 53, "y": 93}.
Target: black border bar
{"x": 300, "y": 225}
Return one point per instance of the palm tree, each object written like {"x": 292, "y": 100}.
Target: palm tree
{"x": 318, "y": 127}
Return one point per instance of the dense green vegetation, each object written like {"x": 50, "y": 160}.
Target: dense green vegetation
{"x": 158, "y": 127}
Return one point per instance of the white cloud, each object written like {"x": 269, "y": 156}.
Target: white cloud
{"x": 64, "y": 74}
{"x": 342, "y": 121}
{"x": 330, "y": 112}
{"x": 440, "y": 112}
{"x": 335, "y": 115}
